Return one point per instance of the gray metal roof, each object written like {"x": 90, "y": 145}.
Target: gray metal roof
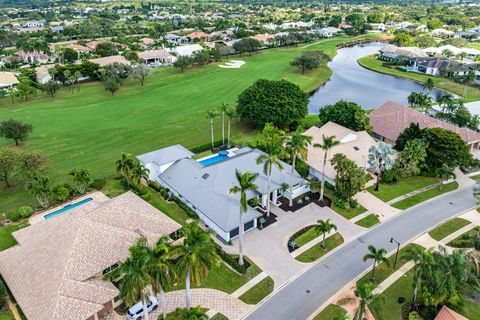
{"x": 207, "y": 187}
{"x": 165, "y": 155}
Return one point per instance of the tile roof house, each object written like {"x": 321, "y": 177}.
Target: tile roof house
{"x": 154, "y": 57}
{"x": 199, "y": 35}
{"x": 354, "y": 145}
{"x": 391, "y": 52}
{"x": 391, "y": 118}
{"x": 55, "y": 272}
{"x": 8, "y": 80}
{"x": 264, "y": 38}
{"x": 104, "y": 61}
{"x": 448, "y": 314}
{"x": 204, "y": 184}
{"x": 79, "y": 48}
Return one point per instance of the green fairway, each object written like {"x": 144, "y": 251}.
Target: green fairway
{"x": 90, "y": 129}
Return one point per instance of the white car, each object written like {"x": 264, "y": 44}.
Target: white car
{"x": 136, "y": 311}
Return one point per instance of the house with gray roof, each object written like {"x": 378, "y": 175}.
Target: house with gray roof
{"x": 160, "y": 160}
{"x": 204, "y": 185}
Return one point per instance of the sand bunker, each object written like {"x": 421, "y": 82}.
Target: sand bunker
{"x": 233, "y": 64}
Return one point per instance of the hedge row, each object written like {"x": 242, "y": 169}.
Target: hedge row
{"x": 164, "y": 192}
{"x": 230, "y": 260}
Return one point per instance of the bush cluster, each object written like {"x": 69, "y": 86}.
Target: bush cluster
{"x": 230, "y": 260}
{"x": 22, "y": 212}
{"x": 164, "y": 192}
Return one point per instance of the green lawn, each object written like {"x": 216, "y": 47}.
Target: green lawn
{"x": 382, "y": 271}
{"x": 388, "y": 192}
{"x": 371, "y": 63}
{"x": 349, "y": 213}
{"x": 420, "y": 197}
{"x": 219, "y": 316}
{"x": 91, "y": 129}
{"x": 316, "y": 252}
{"x": 368, "y": 221}
{"x": 258, "y": 292}
{"x": 6, "y": 315}
{"x": 331, "y": 312}
{"x": 470, "y": 309}
{"x": 306, "y": 237}
{"x": 447, "y": 228}
{"x": 476, "y": 177}
{"x": 465, "y": 240}
{"x": 6, "y": 238}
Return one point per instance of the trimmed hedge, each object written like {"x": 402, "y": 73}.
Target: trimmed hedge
{"x": 164, "y": 192}
{"x": 208, "y": 146}
{"x": 25, "y": 211}
{"x": 13, "y": 216}
{"x": 192, "y": 214}
{"x": 230, "y": 260}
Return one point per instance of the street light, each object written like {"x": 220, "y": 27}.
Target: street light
{"x": 396, "y": 254}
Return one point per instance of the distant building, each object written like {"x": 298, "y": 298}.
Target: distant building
{"x": 175, "y": 39}
{"x": 156, "y": 57}
{"x": 8, "y": 80}
{"x": 199, "y": 35}
{"x": 105, "y": 61}
{"x": 391, "y": 52}
{"x": 435, "y": 65}
{"x": 187, "y": 50}
{"x": 32, "y": 57}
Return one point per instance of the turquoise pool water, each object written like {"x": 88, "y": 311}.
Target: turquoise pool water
{"x": 213, "y": 160}
{"x": 66, "y": 208}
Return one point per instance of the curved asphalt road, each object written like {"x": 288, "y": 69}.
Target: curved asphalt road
{"x": 331, "y": 274}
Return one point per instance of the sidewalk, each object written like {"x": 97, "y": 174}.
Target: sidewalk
{"x": 250, "y": 284}
{"x": 376, "y": 206}
{"x": 394, "y": 277}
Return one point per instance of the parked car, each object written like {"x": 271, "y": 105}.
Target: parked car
{"x": 136, "y": 311}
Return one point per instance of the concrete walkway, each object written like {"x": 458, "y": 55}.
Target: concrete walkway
{"x": 411, "y": 194}
{"x": 394, "y": 277}
{"x": 462, "y": 179}
{"x": 376, "y": 206}
{"x": 250, "y": 284}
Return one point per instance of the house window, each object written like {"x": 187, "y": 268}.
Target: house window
{"x": 234, "y": 233}
{"x": 249, "y": 225}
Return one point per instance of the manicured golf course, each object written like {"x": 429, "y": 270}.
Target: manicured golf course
{"x": 91, "y": 128}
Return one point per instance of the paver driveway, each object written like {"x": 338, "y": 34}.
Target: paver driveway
{"x": 268, "y": 247}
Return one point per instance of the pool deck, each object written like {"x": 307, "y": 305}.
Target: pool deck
{"x": 98, "y": 198}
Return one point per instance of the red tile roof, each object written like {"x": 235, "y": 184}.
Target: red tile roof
{"x": 448, "y": 314}
{"x": 391, "y": 118}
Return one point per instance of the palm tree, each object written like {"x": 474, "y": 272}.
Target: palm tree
{"x": 138, "y": 173}
{"x": 246, "y": 182}
{"x": 211, "y": 114}
{"x": 195, "y": 313}
{"x": 428, "y": 85}
{"x": 78, "y": 75}
{"x": 327, "y": 144}
{"x": 377, "y": 255}
{"x": 365, "y": 294}
{"x": 124, "y": 166}
{"x": 444, "y": 173}
{"x": 134, "y": 275}
{"x": 297, "y": 146}
{"x": 231, "y": 114}
{"x": 223, "y": 109}
{"x": 161, "y": 270}
{"x": 269, "y": 160}
{"x": 445, "y": 101}
{"x": 423, "y": 260}
{"x": 194, "y": 257}
{"x": 324, "y": 227}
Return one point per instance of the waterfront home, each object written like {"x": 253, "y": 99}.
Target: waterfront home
{"x": 391, "y": 52}
{"x": 435, "y": 66}
{"x": 353, "y": 144}
{"x": 391, "y": 119}
{"x": 204, "y": 184}
{"x": 156, "y": 57}
{"x": 8, "y": 80}
{"x": 56, "y": 270}
{"x": 470, "y": 52}
{"x": 328, "y": 32}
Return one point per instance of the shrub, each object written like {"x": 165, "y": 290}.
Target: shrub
{"x": 3, "y": 294}
{"x": 189, "y": 211}
{"x": 302, "y": 168}
{"x": 25, "y": 211}
{"x": 155, "y": 186}
{"x": 391, "y": 176}
{"x": 60, "y": 192}
{"x": 98, "y": 184}
{"x": 13, "y": 216}
{"x": 230, "y": 260}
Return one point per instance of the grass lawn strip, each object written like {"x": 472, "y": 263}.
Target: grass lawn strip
{"x": 382, "y": 271}
{"x": 391, "y": 191}
{"x": 465, "y": 238}
{"x": 306, "y": 237}
{"x": 219, "y": 316}
{"x": 448, "y": 228}
{"x": 371, "y": 63}
{"x": 6, "y": 315}
{"x": 316, "y": 252}
{"x": 368, "y": 221}
{"x": 256, "y": 294}
{"x": 331, "y": 312}
{"x": 6, "y": 238}
{"x": 423, "y": 196}
{"x": 475, "y": 177}
{"x": 91, "y": 129}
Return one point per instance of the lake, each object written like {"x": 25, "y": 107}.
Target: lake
{"x": 369, "y": 89}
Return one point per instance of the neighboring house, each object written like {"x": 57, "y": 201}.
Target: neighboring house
{"x": 448, "y": 314}
{"x": 380, "y": 27}
{"x": 204, "y": 184}
{"x": 146, "y": 42}
{"x": 297, "y": 25}
{"x": 391, "y": 52}
{"x": 421, "y": 28}
{"x": 34, "y": 24}
{"x": 93, "y": 44}
{"x": 156, "y": 57}
{"x": 470, "y": 52}
{"x": 264, "y": 38}
{"x": 79, "y": 48}
{"x": 8, "y": 80}
{"x": 33, "y": 57}
{"x": 104, "y": 61}
{"x": 43, "y": 76}
{"x": 441, "y": 33}
{"x": 199, "y": 35}
{"x": 391, "y": 119}
{"x": 328, "y": 32}
{"x": 55, "y": 272}
{"x": 354, "y": 145}
{"x": 471, "y": 35}
{"x": 434, "y": 66}
{"x": 187, "y": 50}
{"x": 175, "y": 39}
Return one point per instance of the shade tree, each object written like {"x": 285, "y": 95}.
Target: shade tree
{"x": 347, "y": 114}
{"x": 15, "y": 130}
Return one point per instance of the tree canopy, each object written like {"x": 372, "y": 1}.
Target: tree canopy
{"x": 446, "y": 147}
{"x": 347, "y": 114}
{"x": 14, "y": 129}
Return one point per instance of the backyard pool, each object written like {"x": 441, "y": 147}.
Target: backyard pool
{"x": 66, "y": 208}
{"x": 219, "y": 157}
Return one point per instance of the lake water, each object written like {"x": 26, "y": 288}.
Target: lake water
{"x": 354, "y": 83}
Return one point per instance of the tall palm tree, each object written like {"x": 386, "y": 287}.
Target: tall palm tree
{"x": 365, "y": 294}
{"x": 223, "y": 109}
{"x": 269, "y": 160}
{"x": 134, "y": 275}
{"x": 138, "y": 173}
{"x": 423, "y": 260}
{"x": 324, "y": 227}
{"x": 444, "y": 173}
{"x": 161, "y": 270}
{"x": 246, "y": 182}
{"x": 378, "y": 256}
{"x": 124, "y": 166}
{"x": 194, "y": 257}
{"x": 327, "y": 144}
{"x": 212, "y": 114}
{"x": 297, "y": 146}
{"x": 428, "y": 85}
{"x": 231, "y": 114}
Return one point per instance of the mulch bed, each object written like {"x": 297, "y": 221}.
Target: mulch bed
{"x": 313, "y": 197}
{"x": 269, "y": 220}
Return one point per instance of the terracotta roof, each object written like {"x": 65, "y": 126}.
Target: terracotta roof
{"x": 55, "y": 270}
{"x": 391, "y": 118}
{"x": 448, "y": 314}
{"x": 154, "y": 54}
{"x": 353, "y": 144}
{"x": 262, "y": 37}
{"x": 198, "y": 35}
{"x": 8, "y": 79}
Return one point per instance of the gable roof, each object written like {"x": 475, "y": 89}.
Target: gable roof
{"x": 448, "y": 314}
{"x": 354, "y": 145}
{"x": 198, "y": 35}
{"x": 391, "y": 118}
{"x": 410, "y": 52}
{"x": 104, "y": 61}
{"x": 8, "y": 79}
{"x": 187, "y": 50}
{"x": 154, "y": 54}
{"x": 165, "y": 155}
{"x": 55, "y": 270}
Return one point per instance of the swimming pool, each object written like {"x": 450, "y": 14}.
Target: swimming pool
{"x": 212, "y": 160}
{"x": 66, "y": 208}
